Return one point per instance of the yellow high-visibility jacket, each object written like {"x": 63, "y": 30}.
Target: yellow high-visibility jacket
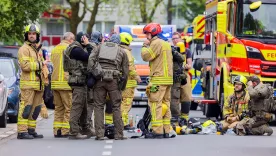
{"x": 59, "y": 77}
{"x": 31, "y": 63}
{"x": 132, "y": 76}
{"x": 236, "y": 106}
{"x": 159, "y": 56}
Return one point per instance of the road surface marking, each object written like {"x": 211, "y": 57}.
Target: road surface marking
{"x": 109, "y": 141}
{"x": 108, "y": 146}
{"x": 106, "y": 153}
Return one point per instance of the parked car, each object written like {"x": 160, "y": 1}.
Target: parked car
{"x": 3, "y": 102}
{"x": 10, "y": 70}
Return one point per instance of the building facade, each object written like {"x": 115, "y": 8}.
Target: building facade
{"x": 115, "y": 12}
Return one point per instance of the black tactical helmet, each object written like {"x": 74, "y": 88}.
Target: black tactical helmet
{"x": 96, "y": 37}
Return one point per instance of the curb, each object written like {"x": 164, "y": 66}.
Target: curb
{"x": 11, "y": 134}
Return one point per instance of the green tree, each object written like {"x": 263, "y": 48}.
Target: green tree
{"x": 191, "y": 8}
{"x": 16, "y": 14}
{"x": 74, "y": 19}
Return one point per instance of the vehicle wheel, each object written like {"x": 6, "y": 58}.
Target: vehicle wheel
{"x": 13, "y": 119}
{"x": 3, "y": 119}
{"x": 193, "y": 106}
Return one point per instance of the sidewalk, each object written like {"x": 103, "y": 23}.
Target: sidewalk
{"x": 11, "y": 129}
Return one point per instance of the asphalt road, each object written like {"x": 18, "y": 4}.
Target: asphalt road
{"x": 192, "y": 145}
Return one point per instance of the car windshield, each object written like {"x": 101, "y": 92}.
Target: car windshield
{"x": 136, "y": 52}
{"x": 260, "y": 23}
{"x": 6, "y": 68}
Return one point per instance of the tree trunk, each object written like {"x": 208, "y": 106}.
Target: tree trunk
{"x": 169, "y": 11}
{"x": 143, "y": 10}
{"x": 93, "y": 16}
{"x": 156, "y": 3}
{"x": 74, "y": 20}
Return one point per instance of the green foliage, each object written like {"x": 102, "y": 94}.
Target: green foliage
{"x": 16, "y": 14}
{"x": 191, "y": 8}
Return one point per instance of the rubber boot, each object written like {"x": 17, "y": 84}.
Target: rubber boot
{"x": 34, "y": 134}
{"x": 24, "y": 135}
{"x": 154, "y": 136}
{"x": 77, "y": 137}
{"x": 59, "y": 135}
{"x": 166, "y": 135}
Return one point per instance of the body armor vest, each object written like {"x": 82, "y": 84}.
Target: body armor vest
{"x": 77, "y": 69}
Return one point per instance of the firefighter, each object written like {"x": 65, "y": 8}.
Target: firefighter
{"x": 186, "y": 89}
{"x": 178, "y": 75}
{"x": 262, "y": 109}
{"x": 236, "y": 107}
{"x": 32, "y": 81}
{"x": 75, "y": 62}
{"x": 159, "y": 54}
{"x": 133, "y": 78}
{"x": 109, "y": 65}
{"x": 61, "y": 90}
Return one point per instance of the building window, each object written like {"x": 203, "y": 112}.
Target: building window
{"x": 55, "y": 28}
{"x": 109, "y": 26}
{"x": 98, "y": 26}
{"x": 67, "y": 27}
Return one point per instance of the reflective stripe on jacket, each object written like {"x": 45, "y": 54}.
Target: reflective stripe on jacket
{"x": 59, "y": 77}
{"x": 159, "y": 56}
{"x": 30, "y": 60}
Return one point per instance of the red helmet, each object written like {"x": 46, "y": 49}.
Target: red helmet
{"x": 152, "y": 28}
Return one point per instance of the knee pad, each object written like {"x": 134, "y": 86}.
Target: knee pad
{"x": 27, "y": 111}
{"x": 185, "y": 107}
{"x": 36, "y": 112}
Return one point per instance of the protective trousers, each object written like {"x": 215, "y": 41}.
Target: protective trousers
{"x": 175, "y": 100}
{"x": 128, "y": 95}
{"x": 248, "y": 126}
{"x": 101, "y": 89}
{"x": 63, "y": 104}
{"x": 30, "y": 106}
{"x": 78, "y": 114}
{"x": 90, "y": 109}
{"x": 185, "y": 98}
{"x": 160, "y": 123}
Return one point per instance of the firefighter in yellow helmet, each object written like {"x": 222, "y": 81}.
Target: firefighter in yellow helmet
{"x": 186, "y": 88}
{"x": 159, "y": 54}
{"x": 32, "y": 81}
{"x": 236, "y": 107}
{"x": 61, "y": 90}
{"x": 133, "y": 77}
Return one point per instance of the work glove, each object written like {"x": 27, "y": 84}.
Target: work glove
{"x": 44, "y": 112}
